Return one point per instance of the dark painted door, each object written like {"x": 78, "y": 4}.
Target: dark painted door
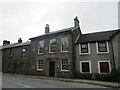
{"x": 15, "y": 68}
{"x": 52, "y": 69}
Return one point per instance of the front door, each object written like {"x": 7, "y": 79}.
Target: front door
{"x": 15, "y": 68}
{"x": 52, "y": 69}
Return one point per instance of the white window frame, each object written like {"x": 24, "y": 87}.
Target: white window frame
{"x": 108, "y": 65}
{"x": 50, "y": 47}
{"x": 90, "y": 68}
{"x": 97, "y": 48}
{"x": 24, "y": 51}
{"x": 38, "y": 46}
{"x": 68, "y": 66}
{"x": 38, "y": 68}
{"x": 84, "y": 53}
{"x": 68, "y": 44}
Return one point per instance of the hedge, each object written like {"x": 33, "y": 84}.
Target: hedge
{"x": 114, "y": 76}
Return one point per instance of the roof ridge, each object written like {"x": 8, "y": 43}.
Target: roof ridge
{"x": 53, "y": 32}
{"x": 101, "y": 32}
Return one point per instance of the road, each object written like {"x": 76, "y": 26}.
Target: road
{"x": 9, "y": 81}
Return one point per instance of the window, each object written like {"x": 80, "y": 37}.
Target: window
{"x": 10, "y": 54}
{"x": 9, "y": 65}
{"x": 22, "y": 66}
{"x": 102, "y": 47}
{"x": 41, "y": 47}
{"x": 85, "y": 48}
{"x": 65, "y": 65}
{"x": 23, "y": 52}
{"x": 52, "y": 47}
{"x": 64, "y": 44}
{"x": 40, "y": 65}
{"x": 104, "y": 66}
{"x": 85, "y": 66}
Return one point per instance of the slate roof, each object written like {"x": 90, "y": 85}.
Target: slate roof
{"x": 55, "y": 32}
{"x": 98, "y": 36}
{"x": 15, "y": 45}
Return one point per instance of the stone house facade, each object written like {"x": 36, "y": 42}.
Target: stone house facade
{"x": 15, "y": 57}
{"x": 98, "y": 52}
{"x": 52, "y": 54}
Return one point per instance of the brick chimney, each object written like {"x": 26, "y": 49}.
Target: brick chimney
{"x": 47, "y": 29}
{"x": 19, "y": 40}
{"x": 5, "y": 42}
{"x": 76, "y": 21}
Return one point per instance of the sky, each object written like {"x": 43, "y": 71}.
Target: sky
{"x": 27, "y": 18}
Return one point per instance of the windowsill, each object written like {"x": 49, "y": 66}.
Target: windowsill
{"x": 52, "y": 52}
{"x": 23, "y": 56}
{"x": 86, "y": 72}
{"x": 104, "y": 73}
{"x": 64, "y": 51}
{"x": 40, "y": 53}
{"x": 102, "y": 52}
{"x": 39, "y": 69}
{"x": 84, "y": 53}
{"x": 65, "y": 70}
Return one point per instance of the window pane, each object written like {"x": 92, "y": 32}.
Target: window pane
{"x": 85, "y": 67}
{"x": 41, "y": 44}
{"x": 84, "y": 48}
{"x": 84, "y": 45}
{"x": 53, "y": 42}
{"x": 102, "y": 44}
{"x": 41, "y": 47}
{"x": 23, "y": 52}
{"x": 40, "y": 64}
{"x": 52, "y": 46}
{"x": 64, "y": 64}
{"x": 64, "y": 44}
{"x": 102, "y": 47}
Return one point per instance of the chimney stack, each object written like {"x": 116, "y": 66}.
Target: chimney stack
{"x": 76, "y": 22}
{"x": 19, "y": 40}
{"x": 5, "y": 42}
{"x": 47, "y": 29}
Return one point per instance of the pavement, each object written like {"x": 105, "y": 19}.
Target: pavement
{"x": 94, "y": 82}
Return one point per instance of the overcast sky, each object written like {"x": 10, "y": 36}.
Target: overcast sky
{"x": 27, "y": 18}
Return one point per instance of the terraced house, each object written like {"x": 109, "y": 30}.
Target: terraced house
{"x": 98, "y": 52}
{"x": 53, "y": 52}
{"x": 63, "y": 53}
{"x": 15, "y": 57}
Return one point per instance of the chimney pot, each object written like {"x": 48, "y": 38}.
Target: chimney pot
{"x": 76, "y": 22}
{"x": 5, "y": 42}
{"x": 47, "y": 29}
{"x": 19, "y": 40}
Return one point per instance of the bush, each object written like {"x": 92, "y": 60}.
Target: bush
{"x": 83, "y": 76}
{"x": 114, "y": 76}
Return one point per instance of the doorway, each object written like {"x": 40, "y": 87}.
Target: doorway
{"x": 15, "y": 68}
{"x": 52, "y": 69}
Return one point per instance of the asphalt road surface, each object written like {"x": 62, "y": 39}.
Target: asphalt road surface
{"x": 9, "y": 81}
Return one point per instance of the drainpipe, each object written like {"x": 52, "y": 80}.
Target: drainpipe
{"x": 113, "y": 55}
